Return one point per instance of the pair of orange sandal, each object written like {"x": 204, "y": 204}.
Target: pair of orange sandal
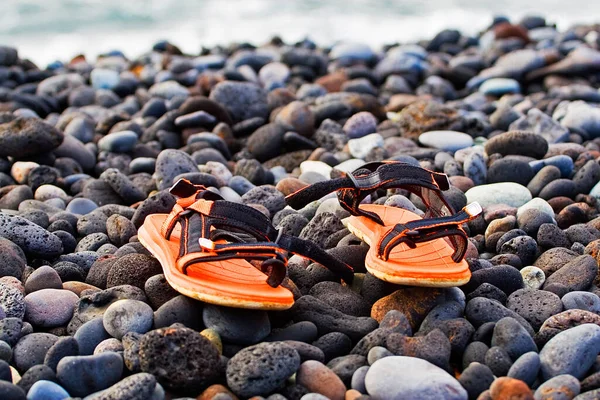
{"x": 230, "y": 254}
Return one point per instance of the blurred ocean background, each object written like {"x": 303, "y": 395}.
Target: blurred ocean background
{"x": 47, "y": 30}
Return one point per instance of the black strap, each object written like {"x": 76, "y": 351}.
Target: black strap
{"x": 426, "y": 230}
{"x": 354, "y": 187}
{"x": 267, "y": 243}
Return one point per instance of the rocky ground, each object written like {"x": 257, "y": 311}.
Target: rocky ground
{"x": 87, "y": 150}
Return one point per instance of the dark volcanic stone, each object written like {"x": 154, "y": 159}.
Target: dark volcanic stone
{"x": 99, "y": 271}
{"x": 523, "y": 246}
{"x": 488, "y": 291}
{"x": 28, "y": 137}
{"x": 34, "y": 374}
{"x": 133, "y": 269}
{"x": 575, "y": 275}
{"x": 510, "y": 170}
{"x": 476, "y": 378}
{"x": 498, "y": 360}
{"x": 267, "y": 196}
{"x": 179, "y": 358}
{"x": 342, "y": 298}
{"x": 328, "y": 319}
{"x": 321, "y": 227}
{"x": 261, "y": 369}
{"x": 160, "y": 203}
{"x": 481, "y": 310}
{"x": 504, "y": 277}
{"x": 534, "y": 305}
{"x": 31, "y": 238}
{"x": 179, "y": 309}
{"x": 475, "y": 352}
{"x": 158, "y": 290}
{"x": 123, "y": 186}
{"x": 236, "y": 325}
{"x": 65, "y": 346}
{"x": 345, "y": 366}
{"x": 334, "y": 344}
{"x": 9, "y": 391}
{"x": 31, "y": 350}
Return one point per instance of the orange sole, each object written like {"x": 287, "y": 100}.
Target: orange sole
{"x": 430, "y": 264}
{"x": 231, "y": 283}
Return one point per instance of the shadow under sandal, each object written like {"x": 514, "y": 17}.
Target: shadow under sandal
{"x": 405, "y": 248}
{"x": 208, "y": 248}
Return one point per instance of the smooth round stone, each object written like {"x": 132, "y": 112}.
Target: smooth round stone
{"x": 230, "y": 195}
{"x": 48, "y": 192}
{"x": 509, "y": 193}
{"x": 49, "y": 308}
{"x": 83, "y": 375}
{"x": 571, "y": 352}
{"x": 475, "y": 168}
{"x": 111, "y": 344}
{"x": 317, "y": 378}
{"x": 512, "y": 337}
{"x": 10, "y": 391}
{"x": 411, "y": 378}
{"x": 237, "y": 325}
{"x": 582, "y": 301}
{"x": 562, "y": 162}
{"x": 595, "y": 192}
{"x": 103, "y": 78}
{"x": 359, "y": 148}
{"x": 45, "y": 277}
{"x": 499, "y": 86}
{"x": 31, "y": 350}
{"x": 118, "y": 142}
{"x": 526, "y": 368}
{"x": 142, "y": 164}
{"x": 560, "y": 387}
{"x": 46, "y": 390}
{"x": 533, "y": 277}
{"x": 316, "y": 166}
{"x": 168, "y": 90}
{"x": 536, "y": 204}
{"x": 81, "y": 206}
{"x": 20, "y": 170}
{"x": 360, "y": 124}
{"x": 446, "y": 140}
{"x": 124, "y": 316}
{"x": 350, "y": 165}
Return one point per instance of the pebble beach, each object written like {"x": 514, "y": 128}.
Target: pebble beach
{"x": 89, "y": 147}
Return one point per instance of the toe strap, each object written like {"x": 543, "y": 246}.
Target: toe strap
{"x": 429, "y": 229}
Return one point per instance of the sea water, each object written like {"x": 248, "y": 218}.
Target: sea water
{"x": 44, "y": 30}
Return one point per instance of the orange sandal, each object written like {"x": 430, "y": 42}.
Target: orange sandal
{"x": 206, "y": 245}
{"x": 405, "y": 248}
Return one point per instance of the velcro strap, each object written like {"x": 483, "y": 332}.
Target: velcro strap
{"x": 429, "y": 229}
{"x": 354, "y": 187}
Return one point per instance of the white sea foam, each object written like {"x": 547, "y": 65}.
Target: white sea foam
{"x": 45, "y": 30}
